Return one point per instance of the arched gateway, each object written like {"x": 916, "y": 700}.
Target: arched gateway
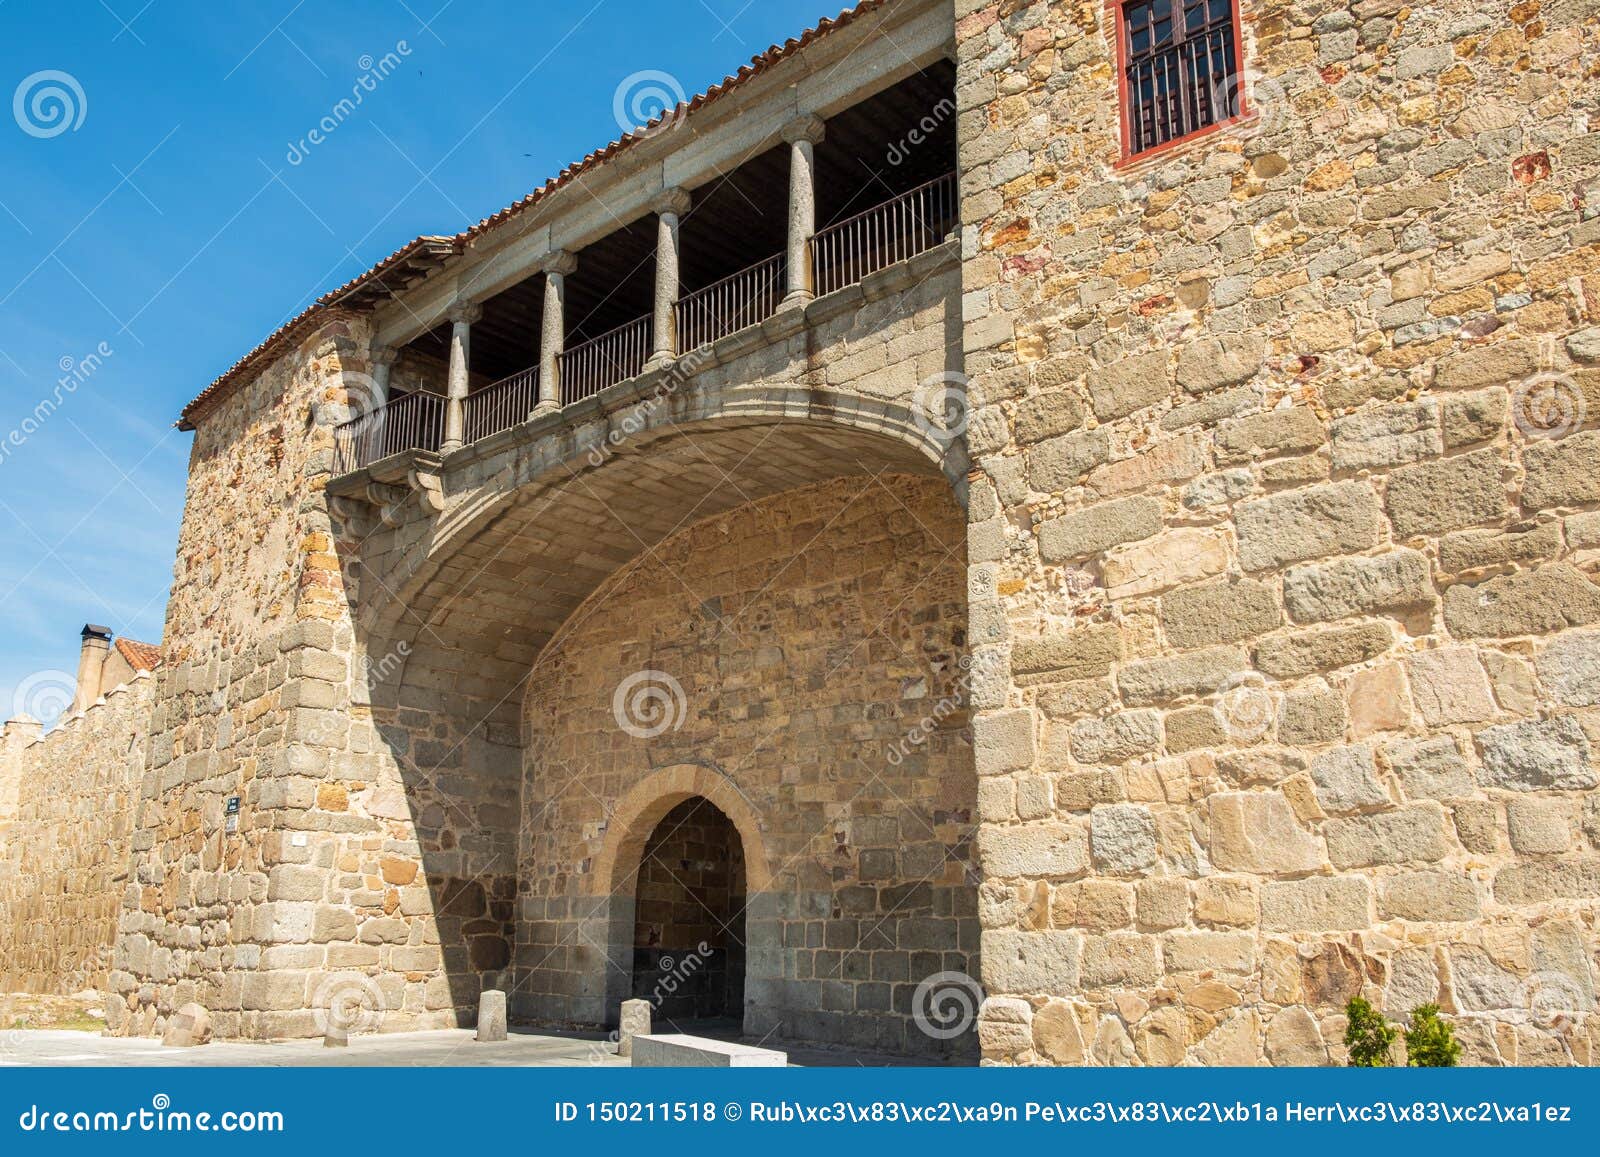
{"x": 705, "y": 690}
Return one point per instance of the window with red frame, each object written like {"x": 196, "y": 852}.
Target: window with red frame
{"x": 1180, "y": 68}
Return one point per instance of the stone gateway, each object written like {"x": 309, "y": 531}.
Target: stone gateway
{"x": 953, "y": 543}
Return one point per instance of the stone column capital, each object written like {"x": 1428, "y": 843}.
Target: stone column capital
{"x": 675, "y": 201}
{"x": 465, "y": 313}
{"x": 805, "y": 128}
{"x": 560, "y": 262}
{"x": 383, "y": 355}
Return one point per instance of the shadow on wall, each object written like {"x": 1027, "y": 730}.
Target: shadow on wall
{"x": 801, "y": 574}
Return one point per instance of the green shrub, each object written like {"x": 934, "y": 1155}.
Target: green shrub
{"x": 1367, "y": 1035}
{"x": 1430, "y": 1042}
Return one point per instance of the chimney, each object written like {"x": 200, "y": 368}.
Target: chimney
{"x": 91, "y": 666}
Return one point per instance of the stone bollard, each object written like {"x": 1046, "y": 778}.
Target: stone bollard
{"x": 492, "y": 1015}
{"x": 635, "y": 1021}
{"x": 189, "y": 1026}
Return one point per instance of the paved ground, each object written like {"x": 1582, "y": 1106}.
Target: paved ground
{"x": 448, "y": 1047}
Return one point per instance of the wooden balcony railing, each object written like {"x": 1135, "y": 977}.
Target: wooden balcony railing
{"x": 614, "y": 356}
{"x": 500, "y": 406}
{"x": 744, "y": 299}
{"x": 842, "y": 255}
{"x": 409, "y": 422}
{"x": 849, "y": 250}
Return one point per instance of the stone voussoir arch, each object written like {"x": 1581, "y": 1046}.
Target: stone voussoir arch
{"x": 637, "y": 813}
{"x": 508, "y": 472}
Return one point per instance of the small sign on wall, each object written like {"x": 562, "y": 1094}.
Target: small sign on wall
{"x": 231, "y": 823}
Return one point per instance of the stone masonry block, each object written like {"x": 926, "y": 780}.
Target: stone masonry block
{"x": 1424, "y": 896}
{"x": 1316, "y": 904}
{"x": 1569, "y": 668}
{"x": 1338, "y": 518}
{"x": 1122, "y": 838}
{"x": 1537, "y": 755}
{"x": 1003, "y": 741}
{"x": 1184, "y": 555}
{"x": 1346, "y": 780}
{"x": 1307, "y": 652}
{"x": 1030, "y": 962}
{"x": 1528, "y": 603}
{"x": 1258, "y": 832}
{"x": 1295, "y": 430}
{"x": 1431, "y": 769}
{"x": 1449, "y": 685}
{"x": 1432, "y": 497}
{"x": 1156, "y": 681}
{"x": 1539, "y": 826}
{"x": 1045, "y": 848}
{"x": 1094, "y": 529}
{"x": 1120, "y": 960}
{"x": 1414, "y": 834}
{"x": 1116, "y": 738}
{"x": 1214, "y": 362}
{"x": 1397, "y": 581}
{"x": 1387, "y": 436}
{"x": 1058, "y": 464}
{"x": 1081, "y": 653}
{"x": 1562, "y": 472}
{"x": 1220, "y": 613}
{"x": 1129, "y": 384}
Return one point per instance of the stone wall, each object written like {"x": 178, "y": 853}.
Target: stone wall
{"x": 1281, "y": 609}
{"x": 65, "y": 849}
{"x": 241, "y": 710}
{"x": 1287, "y": 500}
{"x": 792, "y": 645}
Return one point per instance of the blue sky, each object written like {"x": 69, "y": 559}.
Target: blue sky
{"x": 159, "y": 216}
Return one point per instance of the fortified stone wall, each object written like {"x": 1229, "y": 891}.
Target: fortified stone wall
{"x": 1282, "y": 604}
{"x": 64, "y": 850}
{"x": 212, "y": 913}
{"x": 793, "y": 645}
{"x": 1289, "y": 475}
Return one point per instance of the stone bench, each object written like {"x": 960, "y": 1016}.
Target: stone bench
{"x": 681, "y": 1051}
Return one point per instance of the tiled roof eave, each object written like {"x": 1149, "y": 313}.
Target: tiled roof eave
{"x": 361, "y": 293}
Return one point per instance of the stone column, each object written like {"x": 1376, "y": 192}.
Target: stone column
{"x": 670, "y": 207}
{"x": 461, "y": 319}
{"x": 382, "y": 359}
{"x": 803, "y": 135}
{"x": 553, "y": 337}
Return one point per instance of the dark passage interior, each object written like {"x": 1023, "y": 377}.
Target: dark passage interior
{"x": 688, "y": 939}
